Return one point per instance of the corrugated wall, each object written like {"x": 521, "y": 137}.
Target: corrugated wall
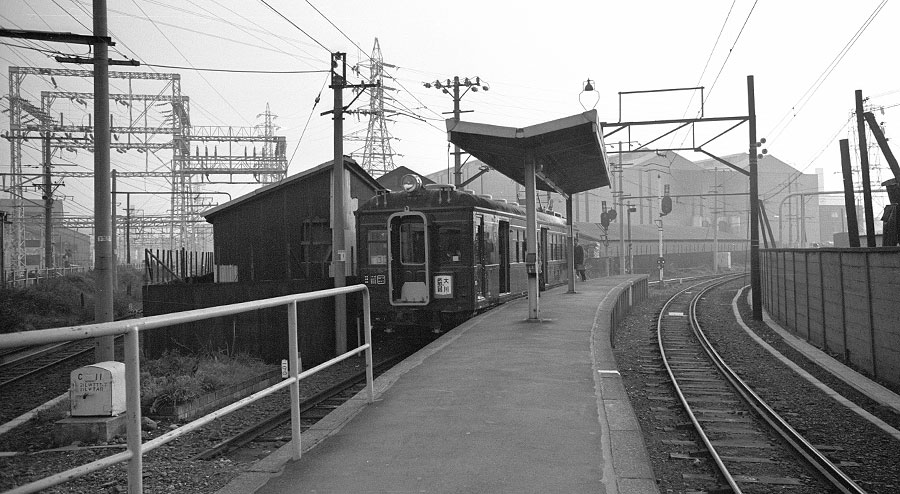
{"x": 844, "y": 301}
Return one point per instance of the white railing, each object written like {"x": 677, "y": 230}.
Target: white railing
{"x": 131, "y": 329}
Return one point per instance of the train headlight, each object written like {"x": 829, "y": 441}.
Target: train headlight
{"x": 411, "y": 183}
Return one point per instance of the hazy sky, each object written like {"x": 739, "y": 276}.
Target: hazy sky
{"x": 534, "y": 55}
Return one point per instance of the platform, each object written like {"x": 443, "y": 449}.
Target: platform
{"x": 498, "y": 404}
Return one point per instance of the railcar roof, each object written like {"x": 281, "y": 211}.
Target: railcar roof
{"x": 431, "y": 198}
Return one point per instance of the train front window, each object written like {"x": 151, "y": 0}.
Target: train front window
{"x": 377, "y": 245}
{"x": 412, "y": 240}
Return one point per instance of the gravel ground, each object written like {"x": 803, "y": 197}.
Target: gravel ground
{"x": 870, "y": 456}
{"x": 168, "y": 468}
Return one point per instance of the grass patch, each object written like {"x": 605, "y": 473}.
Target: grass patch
{"x": 64, "y": 301}
{"x": 175, "y": 378}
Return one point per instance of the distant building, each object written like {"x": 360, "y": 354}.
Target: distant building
{"x": 70, "y": 247}
{"x": 282, "y": 231}
{"x": 692, "y": 185}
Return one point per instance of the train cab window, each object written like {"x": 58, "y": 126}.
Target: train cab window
{"x": 377, "y": 245}
{"x": 412, "y": 241}
{"x": 448, "y": 244}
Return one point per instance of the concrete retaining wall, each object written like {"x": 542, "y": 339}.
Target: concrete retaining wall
{"x": 844, "y": 301}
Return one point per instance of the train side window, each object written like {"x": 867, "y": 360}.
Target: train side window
{"x": 377, "y": 246}
{"x": 448, "y": 243}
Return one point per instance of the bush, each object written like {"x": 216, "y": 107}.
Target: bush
{"x": 174, "y": 378}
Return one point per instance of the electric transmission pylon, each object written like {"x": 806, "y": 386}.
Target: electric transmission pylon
{"x": 377, "y": 155}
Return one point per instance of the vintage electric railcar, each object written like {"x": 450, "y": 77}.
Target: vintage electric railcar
{"x": 434, "y": 255}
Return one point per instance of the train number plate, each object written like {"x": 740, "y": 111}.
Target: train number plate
{"x": 443, "y": 286}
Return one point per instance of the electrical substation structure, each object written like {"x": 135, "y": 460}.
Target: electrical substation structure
{"x": 153, "y": 120}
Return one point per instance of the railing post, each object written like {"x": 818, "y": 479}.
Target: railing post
{"x": 367, "y": 329}
{"x": 294, "y": 366}
{"x": 133, "y": 410}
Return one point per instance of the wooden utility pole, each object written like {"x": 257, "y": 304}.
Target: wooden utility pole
{"x": 446, "y": 87}
{"x": 48, "y": 203}
{"x": 340, "y": 199}
{"x": 849, "y": 201}
{"x": 864, "y": 171}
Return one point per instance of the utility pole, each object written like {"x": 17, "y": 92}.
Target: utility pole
{"x": 2, "y": 249}
{"x": 341, "y": 196}
{"x": 716, "y": 220}
{"x": 455, "y": 85}
{"x": 621, "y": 193}
{"x": 128, "y": 229}
{"x": 103, "y": 268}
{"x": 48, "y": 203}
{"x": 864, "y": 171}
{"x": 755, "y": 277}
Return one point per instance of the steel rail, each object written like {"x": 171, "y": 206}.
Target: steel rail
{"x": 812, "y": 455}
{"x": 687, "y": 408}
{"x": 267, "y": 424}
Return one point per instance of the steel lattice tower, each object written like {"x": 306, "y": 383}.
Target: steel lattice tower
{"x": 377, "y": 155}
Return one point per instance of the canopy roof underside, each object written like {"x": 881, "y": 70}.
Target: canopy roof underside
{"x": 569, "y": 153}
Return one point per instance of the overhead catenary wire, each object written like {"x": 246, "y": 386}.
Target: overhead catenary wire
{"x": 233, "y": 71}
{"x": 820, "y": 80}
{"x": 730, "y": 51}
{"x": 273, "y": 9}
{"x": 335, "y": 26}
{"x": 311, "y": 112}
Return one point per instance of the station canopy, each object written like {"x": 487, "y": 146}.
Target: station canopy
{"x": 569, "y": 153}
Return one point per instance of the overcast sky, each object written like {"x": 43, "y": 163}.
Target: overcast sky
{"x": 535, "y": 57}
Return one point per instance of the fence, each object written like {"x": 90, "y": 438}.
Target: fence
{"x": 844, "y": 301}
{"x": 21, "y": 279}
{"x": 132, "y": 328}
{"x": 164, "y": 266}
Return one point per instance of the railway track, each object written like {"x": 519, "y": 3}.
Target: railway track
{"x": 312, "y": 410}
{"x": 27, "y": 362}
{"x": 750, "y": 446}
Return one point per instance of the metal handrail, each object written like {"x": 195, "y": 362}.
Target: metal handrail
{"x": 131, "y": 329}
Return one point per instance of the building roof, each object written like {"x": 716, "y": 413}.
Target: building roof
{"x": 569, "y": 151}
{"x": 349, "y": 163}
{"x": 391, "y": 179}
{"x": 768, "y": 163}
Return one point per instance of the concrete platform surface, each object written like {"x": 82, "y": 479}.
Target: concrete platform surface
{"x": 498, "y": 404}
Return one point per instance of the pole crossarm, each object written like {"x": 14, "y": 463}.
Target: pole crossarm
{"x": 80, "y": 39}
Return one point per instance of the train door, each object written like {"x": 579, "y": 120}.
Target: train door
{"x": 543, "y": 249}
{"x": 408, "y": 251}
{"x": 503, "y": 246}
{"x": 480, "y": 270}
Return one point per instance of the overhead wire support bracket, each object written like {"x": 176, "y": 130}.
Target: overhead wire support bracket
{"x": 86, "y": 60}
{"x": 80, "y": 39}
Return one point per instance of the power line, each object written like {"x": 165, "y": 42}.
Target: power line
{"x": 333, "y": 25}
{"x": 730, "y": 50}
{"x": 311, "y": 112}
{"x": 234, "y": 71}
{"x": 136, "y": 4}
{"x": 814, "y": 87}
{"x": 273, "y": 9}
